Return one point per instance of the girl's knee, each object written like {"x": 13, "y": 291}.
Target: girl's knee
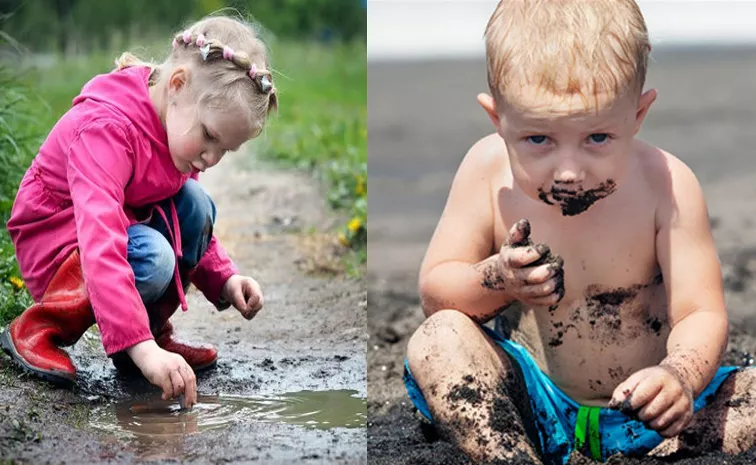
{"x": 153, "y": 261}
{"x": 196, "y": 213}
{"x": 158, "y": 276}
{"x": 194, "y": 204}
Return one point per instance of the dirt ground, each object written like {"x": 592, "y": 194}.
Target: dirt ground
{"x": 309, "y": 337}
{"x": 423, "y": 118}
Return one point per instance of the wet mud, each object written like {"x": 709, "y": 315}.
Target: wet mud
{"x": 576, "y": 201}
{"x": 407, "y": 200}
{"x": 289, "y": 386}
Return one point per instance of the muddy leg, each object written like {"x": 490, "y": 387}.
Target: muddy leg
{"x": 726, "y": 424}
{"x": 472, "y": 389}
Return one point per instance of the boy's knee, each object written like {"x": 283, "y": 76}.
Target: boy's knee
{"x": 744, "y": 381}
{"x": 441, "y": 332}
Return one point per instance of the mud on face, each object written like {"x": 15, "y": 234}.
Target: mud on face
{"x": 574, "y": 202}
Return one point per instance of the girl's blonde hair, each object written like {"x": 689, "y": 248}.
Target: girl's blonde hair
{"x": 566, "y": 47}
{"x": 220, "y": 52}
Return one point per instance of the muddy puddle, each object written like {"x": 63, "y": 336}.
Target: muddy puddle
{"x": 152, "y": 423}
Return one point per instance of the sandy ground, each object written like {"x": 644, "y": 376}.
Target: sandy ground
{"x": 423, "y": 117}
{"x": 309, "y": 337}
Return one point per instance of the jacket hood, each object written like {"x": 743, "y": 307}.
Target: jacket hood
{"x": 126, "y": 91}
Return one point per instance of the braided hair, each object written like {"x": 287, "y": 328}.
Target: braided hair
{"x": 229, "y": 64}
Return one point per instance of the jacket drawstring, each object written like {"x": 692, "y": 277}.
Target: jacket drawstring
{"x": 176, "y": 243}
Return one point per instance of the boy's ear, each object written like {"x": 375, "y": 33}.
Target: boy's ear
{"x": 489, "y": 105}
{"x": 644, "y": 103}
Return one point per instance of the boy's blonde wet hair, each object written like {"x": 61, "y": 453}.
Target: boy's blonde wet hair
{"x": 566, "y": 48}
{"x": 218, "y": 81}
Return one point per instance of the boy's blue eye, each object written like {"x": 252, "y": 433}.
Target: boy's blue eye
{"x": 207, "y": 135}
{"x": 537, "y": 140}
{"x": 599, "y": 138}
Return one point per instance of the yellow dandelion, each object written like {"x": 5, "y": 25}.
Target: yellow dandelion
{"x": 343, "y": 239}
{"x": 17, "y": 283}
{"x": 354, "y": 225}
{"x": 360, "y": 189}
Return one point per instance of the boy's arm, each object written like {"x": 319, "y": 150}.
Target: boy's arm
{"x": 453, "y": 271}
{"x": 663, "y": 395}
{"x": 693, "y": 280}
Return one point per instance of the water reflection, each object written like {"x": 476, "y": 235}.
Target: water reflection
{"x": 156, "y": 428}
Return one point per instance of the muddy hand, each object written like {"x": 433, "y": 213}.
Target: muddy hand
{"x": 530, "y": 273}
{"x": 657, "y": 397}
{"x": 167, "y": 370}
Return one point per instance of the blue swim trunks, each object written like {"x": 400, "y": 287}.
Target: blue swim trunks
{"x": 600, "y": 432}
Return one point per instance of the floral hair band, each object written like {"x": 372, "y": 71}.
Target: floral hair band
{"x": 228, "y": 54}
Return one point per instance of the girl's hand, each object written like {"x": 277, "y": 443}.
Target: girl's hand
{"x": 167, "y": 370}
{"x": 244, "y": 294}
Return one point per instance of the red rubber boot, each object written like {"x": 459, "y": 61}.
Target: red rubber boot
{"x": 34, "y": 339}
{"x": 199, "y": 356}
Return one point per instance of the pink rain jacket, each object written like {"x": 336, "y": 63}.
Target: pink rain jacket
{"x": 100, "y": 170}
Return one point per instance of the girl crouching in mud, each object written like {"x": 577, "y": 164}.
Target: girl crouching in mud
{"x": 110, "y": 223}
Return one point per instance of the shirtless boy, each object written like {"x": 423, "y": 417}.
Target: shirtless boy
{"x": 594, "y": 245}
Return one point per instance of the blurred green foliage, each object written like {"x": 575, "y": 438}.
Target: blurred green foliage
{"x": 20, "y": 135}
{"x": 322, "y": 126}
{"x": 87, "y": 25}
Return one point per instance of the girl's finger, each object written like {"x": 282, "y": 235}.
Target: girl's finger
{"x": 190, "y": 385}
{"x": 167, "y": 387}
{"x": 177, "y": 382}
{"x": 237, "y": 298}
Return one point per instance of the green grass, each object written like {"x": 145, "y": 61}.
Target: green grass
{"x": 14, "y": 297}
{"x": 20, "y": 133}
{"x": 322, "y": 126}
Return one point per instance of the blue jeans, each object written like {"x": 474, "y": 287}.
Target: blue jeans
{"x": 150, "y": 252}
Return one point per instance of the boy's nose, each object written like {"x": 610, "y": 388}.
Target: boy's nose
{"x": 567, "y": 172}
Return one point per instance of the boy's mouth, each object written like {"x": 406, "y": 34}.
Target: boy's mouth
{"x": 576, "y": 201}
